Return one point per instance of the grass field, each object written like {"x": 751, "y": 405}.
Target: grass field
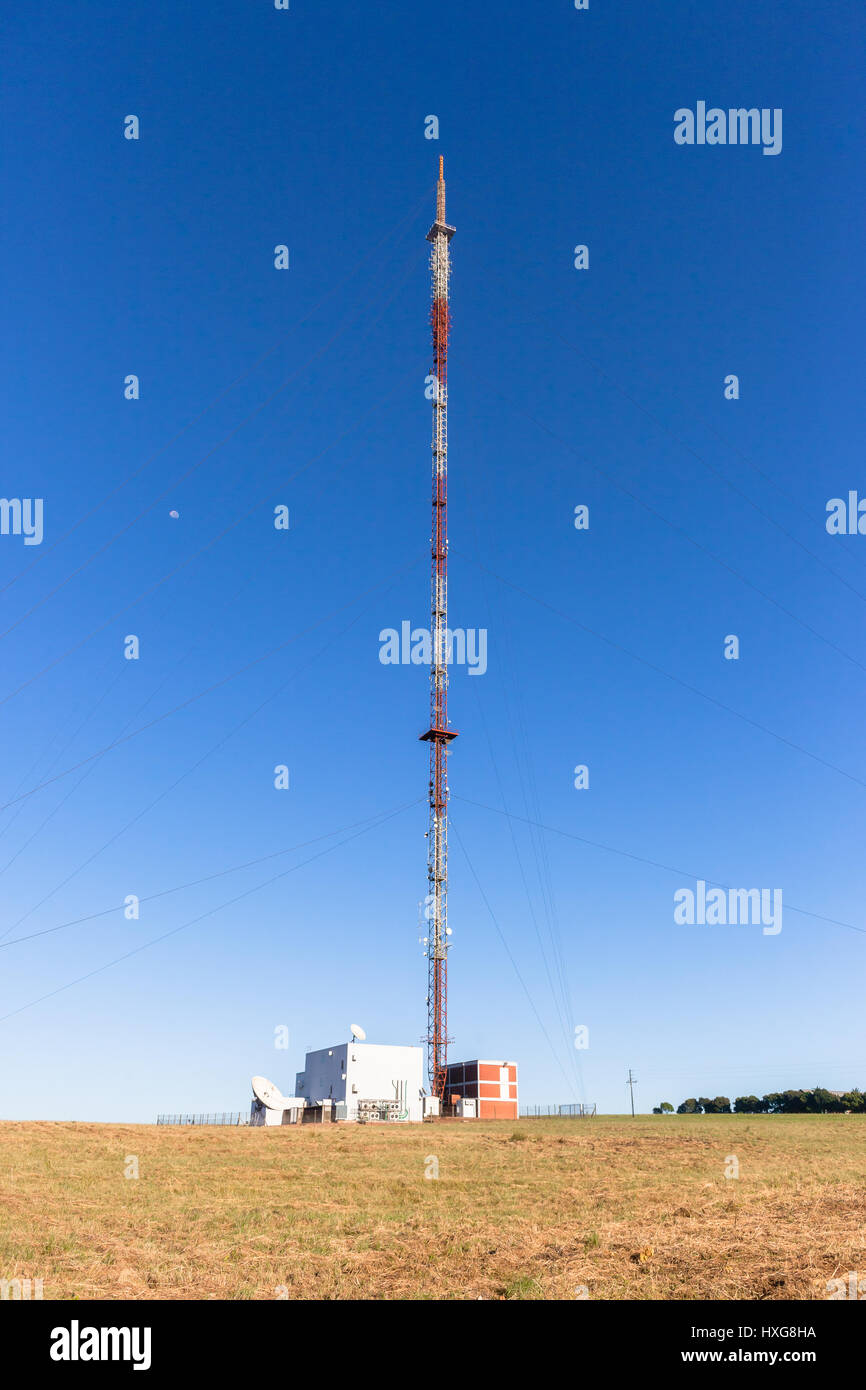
{"x": 534, "y": 1209}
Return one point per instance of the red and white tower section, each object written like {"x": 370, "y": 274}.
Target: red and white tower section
{"x": 439, "y": 735}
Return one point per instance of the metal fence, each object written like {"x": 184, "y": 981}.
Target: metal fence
{"x": 224, "y": 1117}
{"x": 531, "y": 1112}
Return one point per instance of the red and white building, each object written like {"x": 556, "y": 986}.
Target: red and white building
{"x": 492, "y": 1085}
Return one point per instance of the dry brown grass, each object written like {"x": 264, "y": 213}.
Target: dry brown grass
{"x": 627, "y": 1208}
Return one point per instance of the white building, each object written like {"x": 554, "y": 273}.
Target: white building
{"x": 371, "y": 1080}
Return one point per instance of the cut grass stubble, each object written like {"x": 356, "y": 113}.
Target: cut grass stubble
{"x": 620, "y": 1207}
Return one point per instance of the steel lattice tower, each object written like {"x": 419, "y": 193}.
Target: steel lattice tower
{"x": 439, "y": 735}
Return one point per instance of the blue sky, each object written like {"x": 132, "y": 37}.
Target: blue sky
{"x": 602, "y": 387}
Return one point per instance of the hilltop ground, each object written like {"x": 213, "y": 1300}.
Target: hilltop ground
{"x": 604, "y": 1208}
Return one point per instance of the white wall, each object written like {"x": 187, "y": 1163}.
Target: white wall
{"x": 376, "y": 1070}
{"x": 322, "y": 1076}
{"x": 260, "y": 1115}
{"x": 372, "y": 1072}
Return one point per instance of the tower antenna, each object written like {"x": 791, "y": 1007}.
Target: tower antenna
{"x": 438, "y": 735}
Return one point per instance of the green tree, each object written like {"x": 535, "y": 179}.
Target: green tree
{"x": 794, "y": 1102}
{"x": 666, "y": 1107}
{"x": 819, "y": 1101}
{"x": 748, "y": 1105}
{"x": 689, "y": 1107}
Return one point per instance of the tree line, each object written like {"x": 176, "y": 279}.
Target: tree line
{"x": 814, "y": 1102}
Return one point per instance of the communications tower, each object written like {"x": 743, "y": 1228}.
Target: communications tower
{"x": 438, "y": 735}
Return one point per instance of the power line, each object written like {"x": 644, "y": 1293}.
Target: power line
{"x": 660, "y": 671}
{"x": 562, "y": 1008}
{"x": 376, "y": 405}
{"x": 208, "y": 878}
{"x": 193, "y": 699}
{"x": 653, "y": 863}
{"x": 193, "y": 921}
{"x": 681, "y": 531}
{"x": 501, "y": 935}
{"x": 519, "y": 860}
{"x": 718, "y": 473}
{"x": 111, "y": 662}
{"x": 220, "y": 395}
{"x": 205, "y": 757}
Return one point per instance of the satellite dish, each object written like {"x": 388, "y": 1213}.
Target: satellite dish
{"x": 358, "y": 1032}
{"x": 269, "y": 1094}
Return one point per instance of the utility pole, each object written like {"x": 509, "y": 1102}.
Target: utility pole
{"x": 632, "y": 1082}
{"x": 438, "y": 735}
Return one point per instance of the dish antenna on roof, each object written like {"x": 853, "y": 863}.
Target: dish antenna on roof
{"x": 269, "y": 1094}
{"x": 357, "y": 1032}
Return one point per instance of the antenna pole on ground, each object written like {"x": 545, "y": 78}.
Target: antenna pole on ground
{"x": 632, "y": 1082}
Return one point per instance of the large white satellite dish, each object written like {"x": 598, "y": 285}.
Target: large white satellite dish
{"x": 358, "y": 1032}
{"x": 269, "y": 1094}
